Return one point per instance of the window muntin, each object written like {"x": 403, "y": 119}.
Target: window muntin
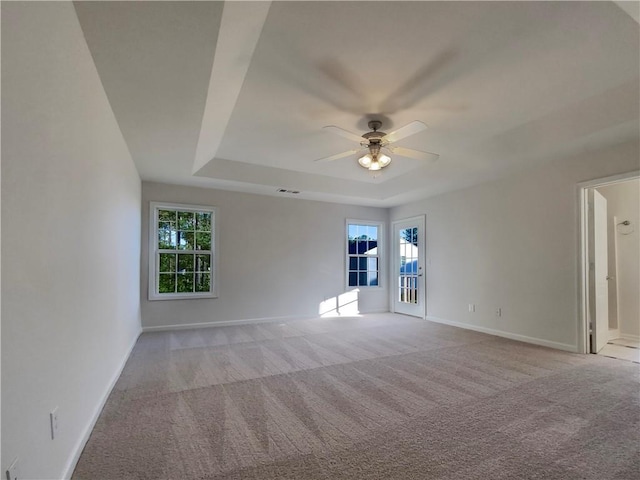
{"x": 182, "y": 251}
{"x": 363, "y": 253}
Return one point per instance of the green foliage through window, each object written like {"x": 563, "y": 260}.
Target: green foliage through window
{"x": 184, "y": 251}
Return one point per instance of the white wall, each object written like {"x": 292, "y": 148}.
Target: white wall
{"x": 513, "y": 243}
{"x": 71, "y": 236}
{"x": 279, "y": 257}
{"x": 623, "y": 203}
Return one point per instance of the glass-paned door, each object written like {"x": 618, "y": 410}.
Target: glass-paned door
{"x": 408, "y": 258}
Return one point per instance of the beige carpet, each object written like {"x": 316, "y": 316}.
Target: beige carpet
{"x": 377, "y": 397}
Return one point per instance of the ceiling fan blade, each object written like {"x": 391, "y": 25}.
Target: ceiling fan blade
{"x": 338, "y": 156}
{"x": 417, "y": 154}
{"x": 404, "y": 132}
{"x": 344, "y": 133}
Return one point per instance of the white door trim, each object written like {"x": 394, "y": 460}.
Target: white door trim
{"x": 599, "y": 274}
{"x": 583, "y": 251}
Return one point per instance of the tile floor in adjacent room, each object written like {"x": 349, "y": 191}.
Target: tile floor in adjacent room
{"x": 623, "y": 349}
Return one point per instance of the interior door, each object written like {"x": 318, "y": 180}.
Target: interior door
{"x": 408, "y": 267}
{"x": 599, "y": 261}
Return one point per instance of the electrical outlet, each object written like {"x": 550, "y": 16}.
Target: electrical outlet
{"x": 472, "y": 307}
{"x": 13, "y": 472}
{"x": 53, "y": 417}
{"x": 499, "y": 312}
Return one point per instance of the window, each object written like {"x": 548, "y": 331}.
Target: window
{"x": 182, "y": 251}
{"x": 364, "y": 243}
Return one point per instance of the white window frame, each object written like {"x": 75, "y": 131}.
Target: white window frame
{"x": 154, "y": 254}
{"x": 380, "y": 256}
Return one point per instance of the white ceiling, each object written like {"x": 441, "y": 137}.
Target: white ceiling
{"x": 234, "y": 95}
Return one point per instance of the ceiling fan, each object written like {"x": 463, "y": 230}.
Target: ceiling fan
{"x": 378, "y": 144}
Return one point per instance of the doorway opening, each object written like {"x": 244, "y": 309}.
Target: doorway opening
{"x": 610, "y": 266}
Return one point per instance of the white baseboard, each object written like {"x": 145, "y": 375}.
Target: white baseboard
{"x": 381, "y": 310}
{"x": 627, "y": 336}
{"x": 512, "y": 336}
{"x": 614, "y": 333}
{"x": 223, "y": 323}
{"x": 246, "y": 321}
{"x": 77, "y": 451}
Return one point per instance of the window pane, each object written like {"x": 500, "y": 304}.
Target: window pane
{"x": 353, "y": 231}
{"x": 406, "y": 235}
{"x": 167, "y": 283}
{"x": 166, "y": 226}
{"x": 362, "y": 263}
{"x": 167, "y": 262}
{"x": 372, "y": 248}
{"x": 353, "y": 263}
{"x": 413, "y": 266}
{"x": 203, "y": 282}
{"x": 362, "y": 246}
{"x": 203, "y": 221}
{"x": 203, "y": 263}
{"x": 203, "y": 241}
{"x": 185, "y": 241}
{"x": 352, "y": 246}
{"x": 406, "y": 268}
{"x": 373, "y": 279}
{"x": 166, "y": 215}
{"x": 372, "y": 264}
{"x": 164, "y": 240}
{"x": 353, "y": 279}
{"x": 362, "y": 278}
{"x": 186, "y": 221}
{"x": 185, "y": 263}
{"x": 185, "y": 282}
{"x": 166, "y": 235}
{"x": 373, "y": 232}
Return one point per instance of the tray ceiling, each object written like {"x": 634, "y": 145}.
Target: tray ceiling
{"x": 234, "y": 95}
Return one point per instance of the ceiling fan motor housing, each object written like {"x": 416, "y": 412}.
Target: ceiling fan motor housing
{"x": 373, "y": 137}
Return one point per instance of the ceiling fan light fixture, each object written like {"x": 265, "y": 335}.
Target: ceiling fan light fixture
{"x": 374, "y": 162}
{"x": 375, "y": 165}
{"x": 365, "y": 161}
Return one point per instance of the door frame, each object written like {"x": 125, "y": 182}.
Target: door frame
{"x": 584, "y": 281}
{"x": 599, "y": 270}
{"x": 395, "y": 266}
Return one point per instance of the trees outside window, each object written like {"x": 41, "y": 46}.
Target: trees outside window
{"x": 182, "y": 251}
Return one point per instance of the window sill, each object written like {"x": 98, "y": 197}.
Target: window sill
{"x": 179, "y": 296}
